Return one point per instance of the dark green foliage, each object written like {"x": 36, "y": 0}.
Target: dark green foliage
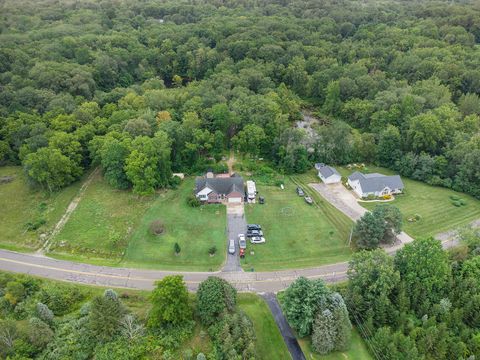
{"x": 378, "y": 226}
{"x": 60, "y": 299}
{"x": 215, "y": 297}
{"x": 39, "y": 334}
{"x": 372, "y": 282}
{"x": 176, "y": 248}
{"x": 105, "y": 315}
{"x": 302, "y": 299}
{"x": 193, "y": 201}
{"x": 170, "y": 304}
{"x": 423, "y": 266}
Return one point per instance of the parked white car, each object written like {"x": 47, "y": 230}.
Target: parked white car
{"x": 231, "y": 247}
{"x": 257, "y": 240}
{"x": 242, "y": 242}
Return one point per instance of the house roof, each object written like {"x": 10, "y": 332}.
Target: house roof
{"x": 220, "y": 185}
{"x": 376, "y": 182}
{"x": 326, "y": 170}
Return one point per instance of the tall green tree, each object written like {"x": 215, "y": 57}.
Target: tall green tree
{"x": 170, "y": 304}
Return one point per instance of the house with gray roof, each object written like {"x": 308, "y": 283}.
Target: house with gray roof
{"x": 328, "y": 174}
{"x": 212, "y": 189}
{"x": 375, "y": 184}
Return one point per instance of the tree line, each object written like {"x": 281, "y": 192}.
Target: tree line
{"x": 396, "y": 84}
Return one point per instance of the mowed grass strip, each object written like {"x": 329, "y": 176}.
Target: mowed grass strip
{"x": 297, "y": 234}
{"x": 100, "y": 228}
{"x": 358, "y": 350}
{"x": 21, "y": 204}
{"x": 194, "y": 229}
{"x": 269, "y": 344}
{"x": 432, "y": 203}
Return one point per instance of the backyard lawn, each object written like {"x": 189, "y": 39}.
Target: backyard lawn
{"x": 358, "y": 350}
{"x": 22, "y": 205}
{"x": 194, "y": 229}
{"x": 270, "y": 344}
{"x": 433, "y": 204}
{"x": 297, "y": 234}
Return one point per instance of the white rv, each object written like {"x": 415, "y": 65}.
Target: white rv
{"x": 251, "y": 190}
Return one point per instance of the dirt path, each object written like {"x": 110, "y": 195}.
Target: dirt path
{"x": 230, "y": 162}
{"x": 70, "y": 209}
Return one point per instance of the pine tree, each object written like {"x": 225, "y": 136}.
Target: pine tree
{"x": 324, "y": 332}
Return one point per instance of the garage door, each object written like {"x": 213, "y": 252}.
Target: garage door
{"x": 235, "y": 200}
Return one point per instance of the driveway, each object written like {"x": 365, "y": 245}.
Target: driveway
{"x": 287, "y": 334}
{"x": 236, "y": 224}
{"x": 344, "y": 200}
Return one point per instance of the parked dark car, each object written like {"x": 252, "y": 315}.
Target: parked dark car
{"x": 300, "y": 191}
{"x": 254, "y": 227}
{"x": 252, "y": 233}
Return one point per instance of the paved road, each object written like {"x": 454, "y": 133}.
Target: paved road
{"x": 144, "y": 279}
{"x": 287, "y": 334}
{"x": 236, "y": 224}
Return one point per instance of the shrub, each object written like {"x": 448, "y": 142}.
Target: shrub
{"x": 454, "y": 197}
{"x": 212, "y": 250}
{"x": 60, "y": 299}
{"x": 201, "y": 356}
{"x": 193, "y": 201}
{"x": 215, "y": 297}
{"x": 44, "y": 313}
{"x": 456, "y": 203}
{"x": 35, "y": 225}
{"x": 177, "y": 248}
{"x": 157, "y": 227}
{"x": 39, "y": 333}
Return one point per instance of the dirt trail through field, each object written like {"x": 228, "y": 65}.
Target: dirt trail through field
{"x": 230, "y": 162}
{"x": 70, "y": 209}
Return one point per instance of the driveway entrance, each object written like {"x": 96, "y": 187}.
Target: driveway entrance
{"x": 236, "y": 224}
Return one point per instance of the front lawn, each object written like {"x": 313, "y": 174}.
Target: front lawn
{"x": 270, "y": 344}
{"x": 23, "y": 209}
{"x": 297, "y": 234}
{"x": 433, "y": 204}
{"x": 358, "y": 350}
{"x": 194, "y": 229}
{"x": 101, "y": 226}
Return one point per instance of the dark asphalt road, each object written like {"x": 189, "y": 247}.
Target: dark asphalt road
{"x": 290, "y": 340}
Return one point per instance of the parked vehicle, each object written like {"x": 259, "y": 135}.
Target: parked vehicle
{"x": 261, "y": 200}
{"x": 231, "y": 247}
{"x": 242, "y": 242}
{"x": 254, "y": 227}
{"x": 308, "y": 200}
{"x": 257, "y": 240}
{"x": 252, "y": 233}
{"x": 300, "y": 191}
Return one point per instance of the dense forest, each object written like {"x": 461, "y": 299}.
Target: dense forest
{"x": 147, "y": 88}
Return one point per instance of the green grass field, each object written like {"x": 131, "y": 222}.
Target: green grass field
{"x": 111, "y": 227}
{"x": 195, "y": 230}
{"x": 432, "y": 203}
{"x": 101, "y": 226}
{"x": 358, "y": 350}
{"x": 20, "y": 204}
{"x": 297, "y": 234}
{"x": 270, "y": 344}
